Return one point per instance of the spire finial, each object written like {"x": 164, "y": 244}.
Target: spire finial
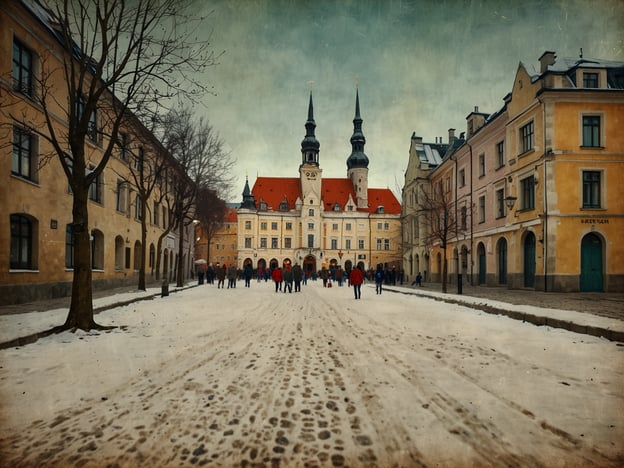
{"x": 357, "y": 81}
{"x": 311, "y": 82}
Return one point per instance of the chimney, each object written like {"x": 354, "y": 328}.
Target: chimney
{"x": 547, "y": 58}
{"x": 451, "y": 135}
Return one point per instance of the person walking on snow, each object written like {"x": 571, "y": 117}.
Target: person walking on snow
{"x": 356, "y": 279}
{"x": 247, "y": 274}
{"x": 288, "y": 279}
{"x": 220, "y": 276}
{"x": 379, "y": 279}
{"x": 297, "y": 276}
{"x": 277, "y": 278}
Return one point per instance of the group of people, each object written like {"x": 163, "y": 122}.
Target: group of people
{"x": 289, "y": 276}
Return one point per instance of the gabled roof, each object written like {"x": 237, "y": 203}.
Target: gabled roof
{"x": 275, "y": 190}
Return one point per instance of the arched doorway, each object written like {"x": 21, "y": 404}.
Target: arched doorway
{"x": 501, "y": 253}
{"x": 591, "y": 263}
{"x": 273, "y": 264}
{"x": 309, "y": 264}
{"x": 482, "y": 262}
{"x": 529, "y": 260}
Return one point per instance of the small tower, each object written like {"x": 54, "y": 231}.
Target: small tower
{"x": 248, "y": 198}
{"x": 357, "y": 162}
{"x": 310, "y": 145}
{"x": 309, "y": 171}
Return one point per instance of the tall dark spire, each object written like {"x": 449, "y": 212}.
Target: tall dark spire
{"x": 357, "y": 157}
{"x": 248, "y": 198}
{"x": 310, "y": 145}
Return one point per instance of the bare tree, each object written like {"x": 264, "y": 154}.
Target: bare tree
{"x": 199, "y": 151}
{"x": 439, "y": 219}
{"x": 210, "y": 213}
{"x": 117, "y": 59}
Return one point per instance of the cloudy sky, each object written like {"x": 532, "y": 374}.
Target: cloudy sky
{"x": 421, "y": 66}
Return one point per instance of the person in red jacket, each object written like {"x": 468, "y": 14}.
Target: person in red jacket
{"x": 277, "y": 278}
{"x": 356, "y": 279}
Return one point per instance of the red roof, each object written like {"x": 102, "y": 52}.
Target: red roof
{"x": 274, "y": 190}
{"x": 231, "y": 215}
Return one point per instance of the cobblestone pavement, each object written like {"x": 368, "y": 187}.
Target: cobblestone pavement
{"x": 609, "y": 305}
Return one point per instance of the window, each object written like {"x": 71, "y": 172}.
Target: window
{"x": 287, "y": 242}
{"x": 263, "y": 225}
{"x": 247, "y": 225}
{"x": 21, "y": 242}
{"x": 481, "y": 165}
{"x": 334, "y": 226}
{"x": 139, "y": 160}
{"x": 138, "y": 208}
{"x": 263, "y": 242}
{"x": 500, "y": 153}
{"x": 310, "y": 241}
{"x": 462, "y": 178}
{"x": 22, "y": 69}
{"x": 386, "y": 226}
{"x": 122, "y": 196}
{"x": 95, "y": 189}
{"x": 526, "y": 137}
{"x": 386, "y": 244}
{"x": 334, "y": 244}
{"x": 288, "y": 226}
{"x": 310, "y": 225}
{"x": 464, "y": 218}
{"x": 347, "y": 244}
{"x": 527, "y": 187}
{"x": 591, "y": 189}
{"x": 23, "y": 163}
{"x": 283, "y": 205}
{"x": 448, "y": 184}
{"x": 69, "y": 246}
{"x": 482, "y": 209}
{"x": 124, "y": 152}
{"x": 591, "y": 131}
{"x": 274, "y": 243}
{"x": 92, "y": 124}
{"x": 311, "y": 212}
{"x": 590, "y": 80}
{"x": 361, "y": 244}
{"x": 379, "y": 226}
{"x": 337, "y": 207}
{"x": 500, "y": 203}
{"x": 348, "y": 227}
{"x": 274, "y": 226}
{"x": 379, "y": 241}
{"x": 156, "y": 211}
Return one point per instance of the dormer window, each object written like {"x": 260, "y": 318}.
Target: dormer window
{"x": 337, "y": 207}
{"x": 590, "y": 80}
{"x": 380, "y": 209}
{"x": 263, "y": 206}
{"x": 283, "y": 205}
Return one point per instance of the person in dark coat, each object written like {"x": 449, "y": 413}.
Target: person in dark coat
{"x": 220, "y": 271}
{"x": 379, "y": 279}
{"x": 356, "y": 279}
{"x": 232, "y": 274}
{"x": 297, "y": 276}
{"x": 247, "y": 274}
{"x": 287, "y": 275}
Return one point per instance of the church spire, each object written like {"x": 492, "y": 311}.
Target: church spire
{"x": 357, "y": 157}
{"x": 248, "y": 198}
{"x": 310, "y": 145}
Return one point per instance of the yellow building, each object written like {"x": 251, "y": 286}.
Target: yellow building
{"x": 536, "y": 184}
{"x": 320, "y": 222}
{"x": 36, "y": 239}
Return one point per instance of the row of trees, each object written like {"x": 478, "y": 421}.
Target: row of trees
{"x": 129, "y": 63}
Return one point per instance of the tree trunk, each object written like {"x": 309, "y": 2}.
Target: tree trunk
{"x": 180, "y": 272}
{"x": 143, "y": 246}
{"x": 444, "y": 272}
{"x": 81, "y": 308}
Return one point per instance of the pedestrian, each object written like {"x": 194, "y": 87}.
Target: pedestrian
{"x": 356, "y": 279}
{"x": 324, "y": 276}
{"x": 379, "y": 279}
{"x": 247, "y": 274}
{"x": 220, "y": 272}
{"x": 288, "y": 279}
{"x": 338, "y": 276}
{"x": 210, "y": 274}
{"x": 200, "y": 275}
{"x": 419, "y": 279}
{"x": 297, "y": 276}
{"x": 277, "y": 278}
{"x": 232, "y": 273}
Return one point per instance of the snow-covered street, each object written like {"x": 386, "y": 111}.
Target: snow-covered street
{"x": 251, "y": 377}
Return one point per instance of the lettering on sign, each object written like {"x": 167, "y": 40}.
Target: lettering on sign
{"x": 594, "y": 221}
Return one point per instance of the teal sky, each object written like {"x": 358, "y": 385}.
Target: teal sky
{"x": 421, "y": 66}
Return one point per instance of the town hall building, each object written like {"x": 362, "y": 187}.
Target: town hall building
{"x": 320, "y": 222}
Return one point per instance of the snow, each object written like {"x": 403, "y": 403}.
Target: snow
{"x": 246, "y": 375}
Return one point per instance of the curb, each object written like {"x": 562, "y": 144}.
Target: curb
{"x": 538, "y": 320}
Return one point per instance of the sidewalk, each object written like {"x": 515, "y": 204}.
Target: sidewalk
{"x": 596, "y": 314}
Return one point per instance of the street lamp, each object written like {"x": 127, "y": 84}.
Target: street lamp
{"x": 509, "y": 201}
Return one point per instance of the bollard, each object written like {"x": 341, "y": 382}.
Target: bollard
{"x": 165, "y": 288}
{"x": 459, "y": 283}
